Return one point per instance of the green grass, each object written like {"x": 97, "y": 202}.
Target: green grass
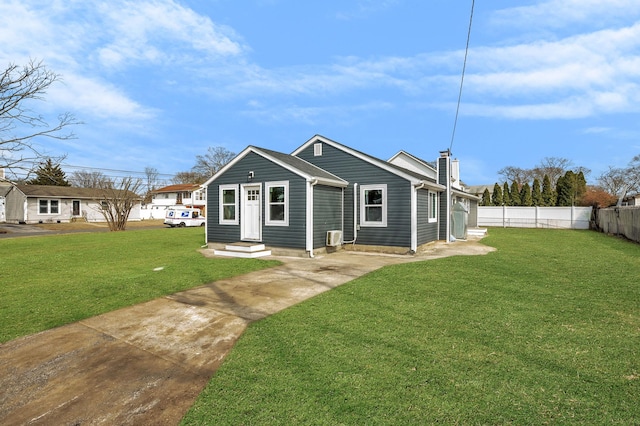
{"x": 54, "y": 280}
{"x": 546, "y": 330}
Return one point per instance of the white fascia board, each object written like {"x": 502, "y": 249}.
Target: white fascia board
{"x": 337, "y": 182}
{"x": 466, "y": 195}
{"x": 432, "y": 185}
{"x": 230, "y": 164}
{"x": 413, "y": 158}
{"x": 379, "y": 163}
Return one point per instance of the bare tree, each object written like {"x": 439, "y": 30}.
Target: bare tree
{"x": 515, "y": 174}
{"x": 19, "y": 125}
{"x": 215, "y": 159}
{"x": 554, "y": 167}
{"x": 633, "y": 174}
{"x": 188, "y": 177}
{"x": 117, "y": 200}
{"x": 151, "y": 177}
{"x": 87, "y": 179}
{"x": 613, "y": 180}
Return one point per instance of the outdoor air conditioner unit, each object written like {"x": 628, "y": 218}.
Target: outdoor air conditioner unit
{"x": 334, "y": 238}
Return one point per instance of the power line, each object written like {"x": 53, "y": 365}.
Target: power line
{"x": 113, "y": 170}
{"x": 464, "y": 67}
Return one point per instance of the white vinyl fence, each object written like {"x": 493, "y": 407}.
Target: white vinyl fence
{"x": 535, "y": 217}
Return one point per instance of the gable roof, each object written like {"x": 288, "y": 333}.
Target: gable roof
{"x": 413, "y": 177}
{"x": 182, "y": 187}
{"x": 296, "y": 165}
{"x": 64, "y": 192}
{"x": 429, "y": 164}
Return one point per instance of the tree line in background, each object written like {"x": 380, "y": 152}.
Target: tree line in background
{"x": 570, "y": 190}
{"x": 554, "y": 183}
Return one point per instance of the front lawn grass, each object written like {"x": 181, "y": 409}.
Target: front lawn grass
{"x": 54, "y": 280}
{"x": 546, "y": 330}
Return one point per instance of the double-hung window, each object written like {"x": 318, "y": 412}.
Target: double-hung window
{"x": 228, "y": 205}
{"x": 433, "y": 206}
{"x": 48, "y": 206}
{"x": 277, "y": 203}
{"x": 373, "y": 205}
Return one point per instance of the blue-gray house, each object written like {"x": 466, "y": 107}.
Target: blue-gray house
{"x": 327, "y": 194}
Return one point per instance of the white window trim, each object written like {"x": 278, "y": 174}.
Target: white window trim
{"x": 317, "y": 149}
{"x": 432, "y": 200}
{"x": 363, "y": 222}
{"x": 268, "y": 221}
{"x": 49, "y": 200}
{"x": 221, "y": 220}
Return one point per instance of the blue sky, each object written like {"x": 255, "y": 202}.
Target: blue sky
{"x": 156, "y": 82}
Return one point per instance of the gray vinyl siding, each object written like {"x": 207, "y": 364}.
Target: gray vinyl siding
{"x": 355, "y": 170}
{"x": 327, "y": 213}
{"x": 292, "y": 236}
{"x": 427, "y": 232}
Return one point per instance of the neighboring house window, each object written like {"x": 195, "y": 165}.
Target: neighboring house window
{"x": 433, "y": 206}
{"x": 277, "y": 201}
{"x": 200, "y": 195}
{"x": 48, "y": 206}
{"x": 228, "y": 204}
{"x": 373, "y": 205}
{"x": 104, "y": 205}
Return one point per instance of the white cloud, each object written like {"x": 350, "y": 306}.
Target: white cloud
{"x": 563, "y": 13}
{"x": 313, "y": 115}
{"x": 159, "y": 32}
{"x": 79, "y": 39}
{"x": 98, "y": 99}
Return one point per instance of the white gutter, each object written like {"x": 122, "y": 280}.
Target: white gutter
{"x": 414, "y": 216}
{"x": 355, "y": 215}
{"x": 309, "y": 236}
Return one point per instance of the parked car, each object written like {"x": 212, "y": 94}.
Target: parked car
{"x": 184, "y": 216}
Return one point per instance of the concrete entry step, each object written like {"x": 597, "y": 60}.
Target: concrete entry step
{"x": 244, "y": 250}
{"x": 477, "y": 232}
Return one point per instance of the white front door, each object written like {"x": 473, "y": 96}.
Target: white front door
{"x": 250, "y": 220}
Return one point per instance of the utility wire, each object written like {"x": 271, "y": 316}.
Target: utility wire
{"x": 464, "y": 67}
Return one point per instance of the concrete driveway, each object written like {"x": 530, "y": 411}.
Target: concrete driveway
{"x": 146, "y": 364}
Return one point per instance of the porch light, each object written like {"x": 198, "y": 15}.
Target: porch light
{"x": 250, "y": 176}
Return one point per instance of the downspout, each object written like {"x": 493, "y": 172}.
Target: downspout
{"x": 414, "y": 217}
{"x": 312, "y": 183}
{"x": 206, "y": 222}
{"x": 355, "y": 216}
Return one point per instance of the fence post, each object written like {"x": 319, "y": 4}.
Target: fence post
{"x": 504, "y": 215}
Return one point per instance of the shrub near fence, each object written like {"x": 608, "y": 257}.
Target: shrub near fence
{"x": 535, "y": 217}
{"x": 623, "y": 221}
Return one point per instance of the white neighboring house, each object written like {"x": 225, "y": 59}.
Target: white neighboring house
{"x": 46, "y": 204}
{"x": 631, "y": 200}
{"x": 185, "y": 195}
